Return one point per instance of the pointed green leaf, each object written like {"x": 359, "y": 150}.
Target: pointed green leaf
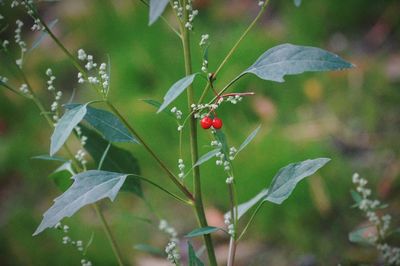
{"x": 157, "y": 7}
{"x": 65, "y": 125}
{"x": 43, "y": 35}
{"x": 202, "y": 231}
{"x": 249, "y": 139}
{"x": 176, "y": 90}
{"x": 108, "y": 125}
{"x": 289, "y": 59}
{"x": 283, "y": 183}
{"x": 206, "y": 157}
{"x": 88, "y": 187}
{"x": 193, "y": 259}
{"x": 149, "y": 249}
{"x": 286, "y": 179}
{"x": 116, "y": 160}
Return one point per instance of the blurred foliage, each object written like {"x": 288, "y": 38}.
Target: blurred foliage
{"x": 352, "y": 117}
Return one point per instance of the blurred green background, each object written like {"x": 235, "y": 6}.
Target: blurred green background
{"x": 352, "y": 117}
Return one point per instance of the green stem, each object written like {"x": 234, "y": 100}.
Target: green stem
{"x": 163, "y": 189}
{"x": 109, "y": 234}
{"x": 199, "y": 207}
{"x": 147, "y": 147}
{"x": 233, "y": 49}
{"x": 251, "y": 220}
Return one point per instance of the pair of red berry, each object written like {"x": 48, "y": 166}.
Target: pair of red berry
{"x": 206, "y": 122}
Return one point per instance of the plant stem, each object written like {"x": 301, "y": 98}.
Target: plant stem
{"x": 199, "y": 207}
{"x": 251, "y": 219}
{"x": 232, "y": 241}
{"x": 233, "y": 49}
{"x": 147, "y": 147}
{"x": 232, "y": 251}
{"x": 109, "y": 234}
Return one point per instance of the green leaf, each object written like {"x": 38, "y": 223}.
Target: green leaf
{"x": 193, "y": 259}
{"x": 249, "y": 139}
{"x": 65, "y": 125}
{"x": 206, "y": 157}
{"x": 108, "y": 125}
{"x": 176, "y": 90}
{"x": 202, "y": 231}
{"x": 50, "y": 158}
{"x": 43, "y": 35}
{"x": 116, "y": 160}
{"x": 362, "y": 235}
{"x": 297, "y": 3}
{"x": 149, "y": 249}
{"x": 283, "y": 183}
{"x": 157, "y": 7}
{"x": 62, "y": 176}
{"x": 88, "y": 187}
{"x": 157, "y": 105}
{"x": 286, "y": 179}
{"x": 289, "y": 59}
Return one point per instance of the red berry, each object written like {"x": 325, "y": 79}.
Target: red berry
{"x": 217, "y": 123}
{"x": 206, "y": 122}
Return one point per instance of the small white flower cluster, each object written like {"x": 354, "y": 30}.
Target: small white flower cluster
{"x": 204, "y": 40}
{"x": 390, "y": 254}
{"x": 234, "y": 99}
{"x": 172, "y": 248}
{"x": 197, "y": 108}
{"x": 37, "y": 25}
{"x": 229, "y": 180}
{"x": 181, "y": 167}
{"x": 192, "y": 14}
{"x": 68, "y": 240}
{"x": 24, "y": 89}
{"x": 80, "y": 154}
{"x": 261, "y": 3}
{"x": 204, "y": 66}
{"x": 382, "y": 223}
{"x": 14, "y": 3}
{"x": 3, "y": 79}
{"x": 104, "y": 77}
{"x": 177, "y": 112}
{"x": 221, "y": 160}
{"x": 229, "y": 224}
{"x": 232, "y": 153}
{"x": 86, "y": 262}
{"x": 20, "y": 42}
{"x": 57, "y": 95}
{"x": 1, "y": 16}
{"x": 178, "y": 8}
{"x": 4, "y": 44}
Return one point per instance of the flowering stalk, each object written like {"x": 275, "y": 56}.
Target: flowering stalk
{"x": 263, "y": 6}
